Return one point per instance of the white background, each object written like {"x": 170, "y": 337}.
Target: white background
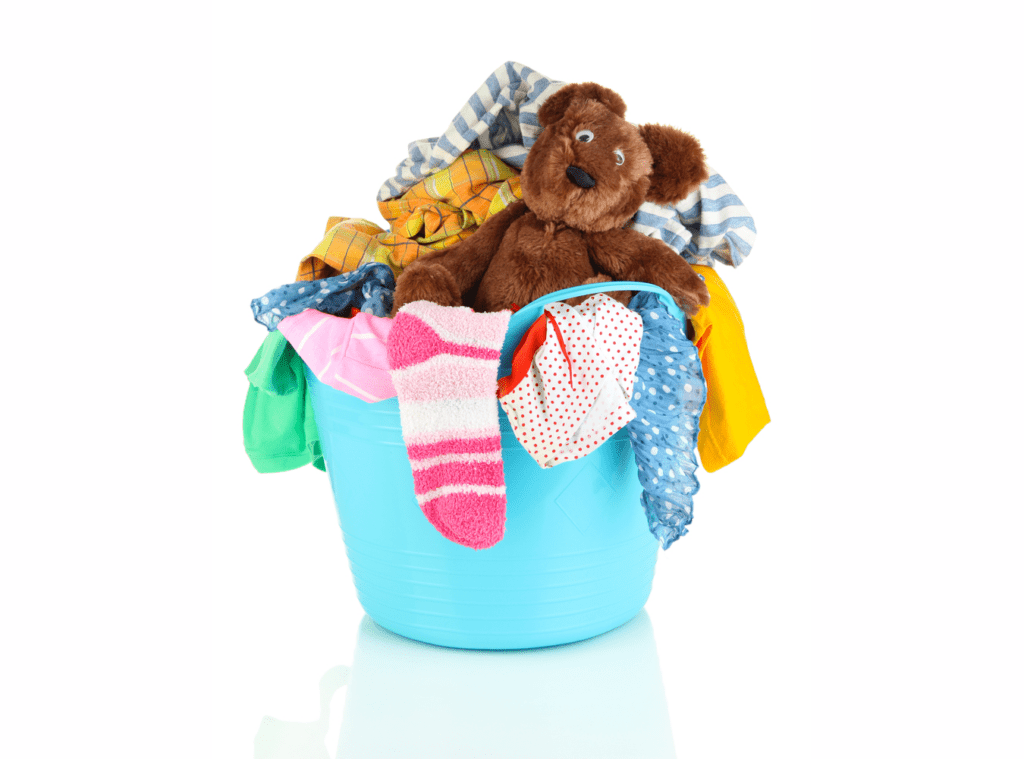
{"x": 850, "y": 587}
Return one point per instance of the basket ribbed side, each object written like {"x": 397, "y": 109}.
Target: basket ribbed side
{"x": 519, "y": 603}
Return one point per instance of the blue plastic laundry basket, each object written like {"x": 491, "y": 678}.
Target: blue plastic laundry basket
{"x": 577, "y": 558}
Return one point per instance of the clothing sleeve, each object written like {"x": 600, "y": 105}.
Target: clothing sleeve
{"x": 278, "y": 429}
{"x": 709, "y": 225}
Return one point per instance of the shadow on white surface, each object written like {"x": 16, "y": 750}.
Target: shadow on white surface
{"x": 601, "y": 697}
{"x": 277, "y": 739}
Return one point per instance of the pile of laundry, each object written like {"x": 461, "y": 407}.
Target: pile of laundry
{"x": 677, "y": 395}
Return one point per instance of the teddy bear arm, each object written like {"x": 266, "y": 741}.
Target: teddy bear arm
{"x": 627, "y": 255}
{"x": 424, "y": 279}
{"x": 469, "y": 260}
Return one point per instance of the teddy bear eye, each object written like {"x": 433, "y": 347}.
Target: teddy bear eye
{"x": 584, "y": 135}
{"x": 620, "y": 157}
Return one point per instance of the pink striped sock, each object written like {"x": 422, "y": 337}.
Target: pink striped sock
{"x": 444, "y": 366}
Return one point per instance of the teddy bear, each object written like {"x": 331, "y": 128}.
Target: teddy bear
{"x": 583, "y": 180}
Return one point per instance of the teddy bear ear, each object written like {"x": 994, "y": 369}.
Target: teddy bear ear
{"x": 678, "y": 163}
{"x": 555, "y": 106}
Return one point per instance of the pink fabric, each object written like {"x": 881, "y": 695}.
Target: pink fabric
{"x": 450, "y": 324}
{"x": 428, "y": 344}
{"x": 348, "y": 354}
{"x": 425, "y": 384}
{"x": 457, "y": 515}
{"x": 455, "y": 445}
{"x": 444, "y": 368}
{"x": 468, "y": 472}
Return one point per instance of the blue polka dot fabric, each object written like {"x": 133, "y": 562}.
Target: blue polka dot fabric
{"x": 668, "y": 397}
{"x": 370, "y": 288}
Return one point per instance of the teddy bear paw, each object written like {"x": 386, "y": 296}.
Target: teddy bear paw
{"x": 622, "y": 296}
{"x": 426, "y": 281}
{"x": 692, "y": 295}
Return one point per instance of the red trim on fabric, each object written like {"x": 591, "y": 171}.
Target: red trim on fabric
{"x": 522, "y": 358}
{"x": 561, "y": 342}
{"x": 702, "y": 339}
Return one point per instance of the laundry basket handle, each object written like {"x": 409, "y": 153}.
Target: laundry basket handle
{"x": 528, "y": 314}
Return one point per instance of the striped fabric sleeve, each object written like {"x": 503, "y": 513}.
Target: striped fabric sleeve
{"x": 710, "y": 224}
{"x": 501, "y": 116}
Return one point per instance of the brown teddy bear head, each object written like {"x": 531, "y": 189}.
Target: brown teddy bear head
{"x": 591, "y": 169}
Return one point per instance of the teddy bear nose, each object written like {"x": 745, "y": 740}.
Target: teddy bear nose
{"x": 579, "y": 177}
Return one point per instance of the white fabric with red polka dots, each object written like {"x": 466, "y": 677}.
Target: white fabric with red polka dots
{"x": 558, "y": 421}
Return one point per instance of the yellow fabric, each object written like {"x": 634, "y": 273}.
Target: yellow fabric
{"x": 434, "y": 214}
{"x": 735, "y": 410}
{"x": 347, "y": 245}
{"x": 334, "y": 220}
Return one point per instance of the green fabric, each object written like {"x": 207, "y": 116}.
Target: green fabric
{"x": 277, "y": 423}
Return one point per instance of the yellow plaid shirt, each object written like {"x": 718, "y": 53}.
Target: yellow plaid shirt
{"x": 443, "y": 209}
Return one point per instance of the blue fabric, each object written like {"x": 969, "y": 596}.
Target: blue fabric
{"x": 370, "y": 288}
{"x": 668, "y": 398}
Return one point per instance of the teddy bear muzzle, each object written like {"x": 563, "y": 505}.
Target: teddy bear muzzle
{"x": 579, "y": 177}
